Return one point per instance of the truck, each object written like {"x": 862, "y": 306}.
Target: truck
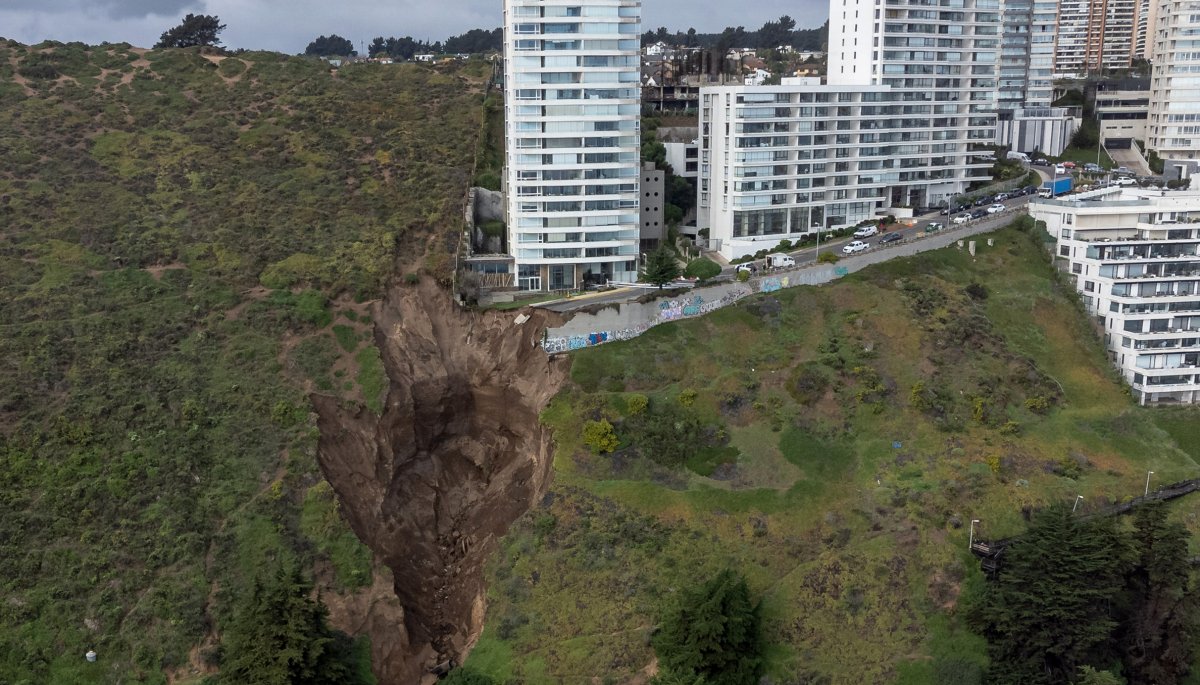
{"x": 1056, "y": 187}
{"x": 780, "y": 261}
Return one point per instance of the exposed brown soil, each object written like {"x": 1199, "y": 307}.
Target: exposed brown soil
{"x": 457, "y": 455}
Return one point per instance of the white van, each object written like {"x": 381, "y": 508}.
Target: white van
{"x": 1019, "y": 156}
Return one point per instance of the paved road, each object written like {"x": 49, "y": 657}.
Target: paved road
{"x": 810, "y": 254}
{"x": 803, "y": 256}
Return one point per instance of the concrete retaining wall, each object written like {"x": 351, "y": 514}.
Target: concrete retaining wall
{"x": 627, "y": 320}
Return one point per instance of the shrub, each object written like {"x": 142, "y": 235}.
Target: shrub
{"x": 600, "y": 436}
{"x": 636, "y": 403}
{"x": 412, "y": 279}
{"x": 808, "y": 383}
{"x": 977, "y": 291}
{"x": 828, "y": 258}
{"x": 743, "y": 276}
{"x": 702, "y": 268}
{"x": 688, "y": 397}
{"x": 1039, "y": 404}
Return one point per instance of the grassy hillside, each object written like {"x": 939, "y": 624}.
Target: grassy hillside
{"x": 186, "y": 244}
{"x": 833, "y": 445}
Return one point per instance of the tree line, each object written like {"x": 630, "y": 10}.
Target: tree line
{"x": 472, "y": 42}
{"x": 771, "y": 34}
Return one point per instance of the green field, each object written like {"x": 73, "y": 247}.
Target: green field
{"x": 188, "y": 246}
{"x": 849, "y": 433}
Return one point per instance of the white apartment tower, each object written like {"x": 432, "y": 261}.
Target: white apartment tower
{"x": 572, "y": 102}
{"x": 1134, "y": 257}
{"x": 939, "y": 54}
{"x": 1174, "y": 124}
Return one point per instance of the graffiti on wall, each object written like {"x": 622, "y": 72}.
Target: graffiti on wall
{"x": 770, "y": 285}
{"x": 668, "y": 310}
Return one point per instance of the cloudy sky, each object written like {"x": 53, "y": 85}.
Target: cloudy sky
{"x": 288, "y": 25}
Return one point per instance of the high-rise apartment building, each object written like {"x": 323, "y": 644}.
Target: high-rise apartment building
{"x": 1094, "y": 35}
{"x": 572, "y": 159}
{"x": 942, "y": 56}
{"x": 781, "y": 162}
{"x": 1134, "y": 256}
{"x": 1012, "y": 84}
{"x": 1174, "y": 124}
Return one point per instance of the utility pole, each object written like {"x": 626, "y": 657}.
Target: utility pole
{"x": 1148, "y": 474}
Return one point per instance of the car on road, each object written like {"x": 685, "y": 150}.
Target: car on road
{"x": 1060, "y": 170}
{"x": 934, "y": 226}
{"x": 854, "y": 247}
{"x": 985, "y": 200}
{"x": 962, "y": 218}
{"x": 1030, "y": 190}
{"x": 979, "y": 213}
{"x": 890, "y": 238}
{"x": 748, "y": 267}
{"x": 1069, "y": 165}
{"x": 1001, "y": 197}
{"x": 996, "y": 208}
{"x": 866, "y": 232}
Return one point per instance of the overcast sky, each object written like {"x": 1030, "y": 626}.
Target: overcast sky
{"x": 289, "y": 25}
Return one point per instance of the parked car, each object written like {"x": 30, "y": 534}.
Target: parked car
{"x": 854, "y": 247}
{"x": 934, "y": 226}
{"x": 985, "y": 200}
{"x": 979, "y": 213}
{"x": 1069, "y": 165}
{"x": 996, "y": 208}
{"x": 890, "y": 238}
{"x": 1030, "y": 190}
{"x": 748, "y": 267}
{"x": 1093, "y": 168}
{"x": 1001, "y": 197}
{"x": 866, "y": 232}
{"x": 1040, "y": 161}
{"x": 962, "y": 218}
{"x": 1123, "y": 170}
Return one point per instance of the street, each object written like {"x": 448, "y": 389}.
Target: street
{"x": 809, "y": 255}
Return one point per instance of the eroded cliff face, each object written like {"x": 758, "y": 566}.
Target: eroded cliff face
{"x": 456, "y": 456}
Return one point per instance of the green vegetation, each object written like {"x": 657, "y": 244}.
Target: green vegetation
{"x": 281, "y": 635}
{"x": 865, "y": 425}
{"x": 711, "y": 634}
{"x": 702, "y": 268}
{"x": 661, "y": 267}
{"x": 1117, "y": 595}
{"x": 179, "y": 234}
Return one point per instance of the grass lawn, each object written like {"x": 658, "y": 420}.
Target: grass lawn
{"x": 869, "y": 421}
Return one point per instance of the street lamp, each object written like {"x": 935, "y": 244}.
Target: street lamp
{"x": 1148, "y": 474}
{"x": 1078, "y": 499}
{"x": 971, "y": 542}
{"x": 817, "y": 253}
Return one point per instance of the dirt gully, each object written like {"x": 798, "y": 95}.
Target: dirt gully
{"x": 457, "y": 455}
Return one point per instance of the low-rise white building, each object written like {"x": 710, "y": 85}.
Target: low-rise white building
{"x": 782, "y": 162}
{"x": 1134, "y": 257}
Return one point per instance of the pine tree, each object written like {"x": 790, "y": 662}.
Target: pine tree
{"x": 1157, "y": 640}
{"x": 280, "y": 636}
{"x": 661, "y": 267}
{"x": 195, "y": 29}
{"x": 1050, "y": 611}
{"x": 711, "y": 635}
